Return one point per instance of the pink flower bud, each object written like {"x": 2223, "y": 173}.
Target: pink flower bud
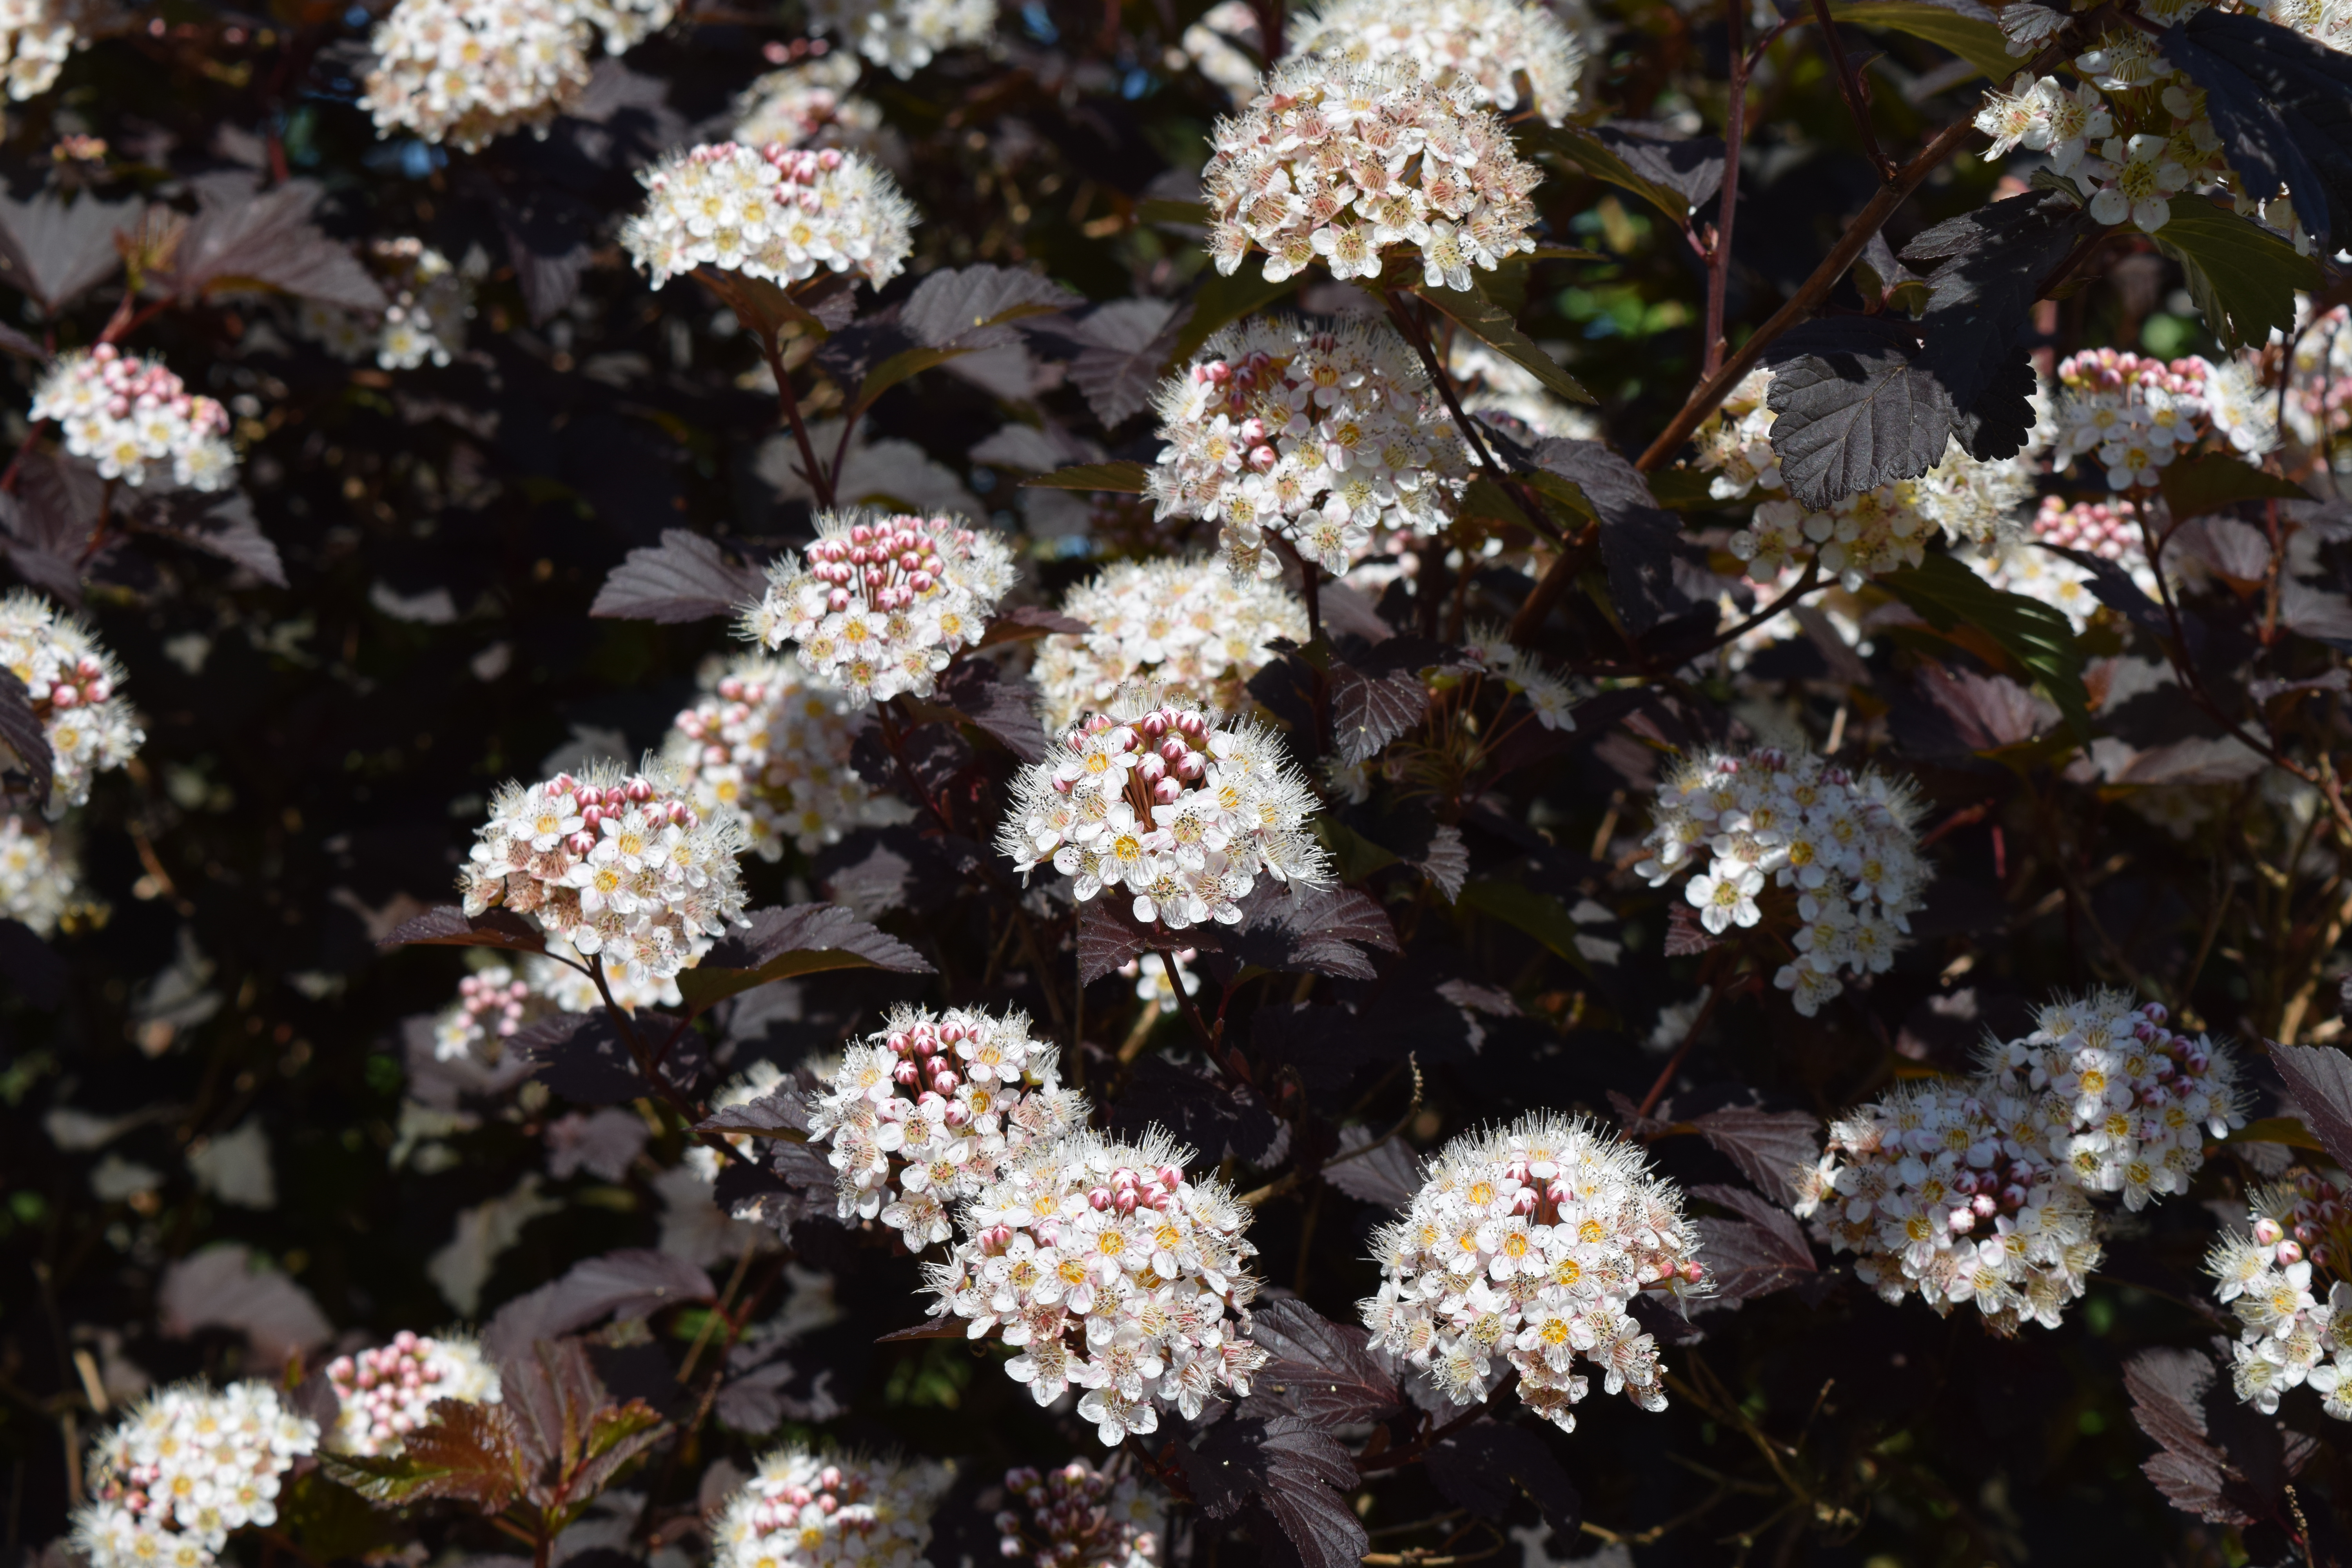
{"x": 2267, "y": 1232}
{"x": 1168, "y": 792}
{"x": 907, "y": 1075}
{"x": 2290, "y": 1253}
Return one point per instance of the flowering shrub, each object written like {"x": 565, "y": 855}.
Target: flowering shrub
{"x": 123, "y": 414}
{"x": 1483, "y": 44}
{"x": 806, "y": 1509}
{"x": 184, "y": 1469}
{"x": 2266, "y": 1275}
{"x": 1190, "y": 625}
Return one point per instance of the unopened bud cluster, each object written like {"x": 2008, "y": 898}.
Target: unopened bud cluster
{"x": 771, "y": 748}
{"x": 389, "y": 1392}
{"x": 1190, "y": 625}
{"x": 619, "y": 864}
{"x": 1165, "y": 799}
{"x": 2273, "y": 1277}
{"x": 181, "y": 1470}
{"x": 1326, "y": 436}
{"x": 36, "y": 36}
{"x": 1836, "y": 846}
{"x": 1110, "y": 1269}
{"x": 925, "y": 1113}
{"x": 2108, "y": 529}
{"x": 1550, "y": 698}
{"x": 1979, "y": 1190}
{"x": 1485, "y": 46}
{"x": 468, "y": 71}
{"x": 495, "y": 1002}
{"x": 830, "y": 1510}
{"x": 37, "y": 878}
{"x": 903, "y": 36}
{"x": 2134, "y": 415}
{"x": 1362, "y": 165}
{"x": 776, "y": 213}
{"x": 425, "y": 320}
{"x": 1077, "y": 1516}
{"x": 1527, "y": 1245}
{"x": 880, "y": 603}
{"x": 74, "y": 686}
{"x": 124, "y": 414}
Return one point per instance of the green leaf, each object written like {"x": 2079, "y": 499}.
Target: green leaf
{"x": 704, "y": 986}
{"x": 1538, "y": 914}
{"x": 2195, "y": 486}
{"x": 898, "y": 368}
{"x": 1684, "y": 489}
{"x": 330, "y": 1521}
{"x": 1947, "y": 595}
{"x": 1491, "y": 324}
{"x": 1355, "y": 856}
{"x": 1121, "y": 477}
{"x": 1975, "y": 40}
{"x": 2287, "y": 1129}
{"x": 1594, "y": 156}
{"x": 2243, "y": 277}
{"x": 1159, "y": 210}
{"x": 1220, "y": 300}
{"x": 759, "y": 304}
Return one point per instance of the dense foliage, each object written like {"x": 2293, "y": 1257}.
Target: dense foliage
{"x": 889, "y": 782}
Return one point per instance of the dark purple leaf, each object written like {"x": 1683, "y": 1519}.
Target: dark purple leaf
{"x": 244, "y": 240}
{"x": 770, "y": 1392}
{"x": 2221, "y": 1460}
{"x": 1761, "y": 1252}
{"x": 2276, "y": 99}
{"x": 1108, "y": 938}
{"x": 1388, "y": 1177}
{"x": 2313, "y": 613}
{"x": 2319, "y": 1081}
{"x": 979, "y": 692}
{"x": 223, "y": 526}
{"x": 1483, "y": 1468}
{"x": 54, "y": 249}
{"x": 583, "y": 1057}
{"x": 769, "y": 1116}
{"x": 1320, "y": 1526}
{"x": 50, "y": 520}
{"x": 226, "y": 1286}
{"x": 632, "y": 1283}
{"x": 1367, "y": 712}
{"x": 1988, "y": 710}
{"x": 1980, "y": 299}
{"x": 1768, "y": 1146}
{"x": 17, "y": 343}
{"x": 1023, "y": 622}
{"x": 800, "y": 939}
{"x": 30, "y": 965}
{"x": 1444, "y": 859}
{"x": 1244, "y": 1454}
{"x": 972, "y": 307}
{"x": 1324, "y": 1371}
{"x": 2215, "y": 482}
{"x": 1297, "y": 929}
{"x": 2113, "y": 586}
{"x": 450, "y": 926}
{"x": 1222, "y": 1120}
{"x": 1853, "y": 412}
{"x": 23, "y": 738}
{"x": 683, "y": 578}
{"x": 607, "y": 1143}
{"x": 1684, "y": 936}
{"x": 1128, "y": 341}
{"x": 466, "y": 1451}
{"x": 1638, "y": 537}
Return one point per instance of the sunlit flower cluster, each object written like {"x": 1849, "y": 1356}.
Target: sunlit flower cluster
{"x": 1325, "y": 435}
{"x": 124, "y": 413}
{"x": 1527, "y": 1245}
{"x": 1980, "y": 1189}
{"x": 1153, "y": 987}
{"x": 496, "y": 1002}
{"x": 772, "y": 750}
{"x": 776, "y": 213}
{"x": 1363, "y": 166}
{"x": 389, "y": 1392}
{"x": 809, "y": 103}
{"x": 801, "y": 1510}
{"x": 903, "y": 36}
{"x": 36, "y": 36}
{"x": 880, "y": 604}
{"x": 619, "y": 864}
{"x": 2131, "y": 415}
{"x": 1483, "y": 44}
{"x": 924, "y": 1113}
{"x": 1829, "y": 852}
{"x": 74, "y": 685}
{"x": 181, "y": 1470}
{"x": 2319, "y": 376}
{"x": 1161, "y": 797}
{"x": 431, "y": 302}
{"x": 1077, "y": 1516}
{"x": 1110, "y": 1271}
{"x": 2108, "y": 529}
{"x": 37, "y": 878}
{"x": 2288, "y": 1333}
{"x": 468, "y": 71}
{"x": 1188, "y": 623}
{"x": 1549, "y": 696}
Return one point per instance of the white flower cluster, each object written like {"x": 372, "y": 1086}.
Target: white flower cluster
{"x": 1841, "y": 842}
{"x": 778, "y": 213}
{"x": 1077, "y": 1516}
{"x": 1356, "y": 165}
{"x": 903, "y": 36}
{"x": 182, "y": 1470}
{"x": 2319, "y": 378}
{"x": 36, "y": 36}
{"x": 2288, "y": 1336}
{"x": 37, "y": 878}
{"x": 1549, "y": 697}
{"x": 2135, "y": 414}
{"x": 1861, "y": 535}
{"x": 1164, "y": 797}
{"x": 620, "y": 866}
{"x": 1527, "y": 1243}
{"x": 2109, "y": 530}
{"x": 1188, "y": 624}
{"x": 1981, "y": 1189}
{"x": 468, "y": 71}
{"x": 1320, "y": 433}
{"x": 771, "y": 750}
{"x": 73, "y": 684}
{"x": 809, "y": 103}
{"x": 389, "y": 1392}
{"x": 801, "y": 1510}
{"x": 880, "y": 604}
{"x": 431, "y": 302}
{"x": 925, "y": 1112}
{"x": 1486, "y": 44}
{"x": 1111, "y": 1270}
{"x": 495, "y": 1003}
{"x": 124, "y": 413}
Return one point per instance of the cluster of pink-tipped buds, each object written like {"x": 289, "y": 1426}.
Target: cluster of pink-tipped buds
{"x": 1238, "y": 381}
{"x": 927, "y": 1065}
{"x": 783, "y": 1512}
{"x": 1126, "y": 1190}
{"x": 1170, "y": 741}
{"x": 497, "y": 1005}
{"x": 145, "y": 384}
{"x": 888, "y": 566}
{"x": 597, "y": 805}
{"x": 87, "y": 684}
{"x": 2108, "y": 529}
{"x": 2312, "y": 1229}
{"x": 2110, "y": 370}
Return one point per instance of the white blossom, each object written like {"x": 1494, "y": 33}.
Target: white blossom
{"x": 805, "y": 1509}
{"x": 809, "y": 103}
{"x": 1188, "y": 623}
{"x": 124, "y": 413}
{"x": 36, "y": 36}
{"x": 75, "y": 688}
{"x": 468, "y": 71}
{"x": 38, "y": 879}
{"x": 182, "y": 1470}
{"x": 777, "y": 213}
{"x": 2295, "y": 1311}
{"x": 903, "y": 36}
{"x": 1485, "y": 45}
{"x": 1550, "y": 698}
{"x": 770, "y": 748}
{"x": 431, "y": 302}
{"x": 386, "y": 1393}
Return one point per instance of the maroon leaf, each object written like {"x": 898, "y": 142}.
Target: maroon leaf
{"x": 607, "y": 1143}
{"x": 223, "y": 526}
{"x": 1023, "y": 622}
{"x": 1768, "y": 1146}
{"x": 23, "y": 738}
{"x": 1480, "y": 1467}
{"x": 1988, "y": 710}
{"x": 979, "y": 692}
{"x": 770, "y": 1115}
{"x": 972, "y": 307}
{"x": 1388, "y": 1177}
{"x": 1297, "y": 929}
{"x": 631, "y": 1283}
{"x": 1635, "y": 1124}
{"x": 243, "y": 239}
{"x": 800, "y": 938}
{"x": 1245, "y": 1455}
{"x": 2319, "y": 1081}
{"x": 1754, "y": 1256}
{"x": 466, "y": 1451}
{"x": 683, "y": 578}
{"x": 1324, "y": 1371}
{"x": 228, "y": 1287}
{"x": 1368, "y": 710}
{"x": 54, "y": 250}
{"x": 936, "y": 1329}
{"x": 582, "y": 1057}
{"x": 1322, "y": 1527}
{"x": 1110, "y": 937}
{"x": 446, "y": 925}
{"x": 2222, "y": 1461}
{"x": 1445, "y": 860}
{"x": 1685, "y": 935}
{"x": 1128, "y": 341}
